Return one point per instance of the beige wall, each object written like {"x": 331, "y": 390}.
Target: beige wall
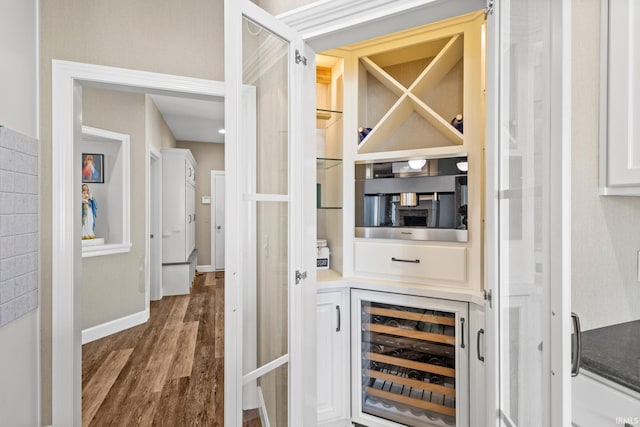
{"x": 208, "y": 157}
{"x": 113, "y": 285}
{"x": 166, "y": 36}
{"x": 157, "y": 132}
{"x": 18, "y": 111}
{"x": 605, "y": 230}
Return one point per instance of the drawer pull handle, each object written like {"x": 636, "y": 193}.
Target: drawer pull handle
{"x": 462, "y": 332}
{"x": 338, "y": 312}
{"x": 414, "y": 261}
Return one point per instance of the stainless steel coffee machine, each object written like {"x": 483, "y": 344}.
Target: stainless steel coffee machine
{"x": 403, "y": 200}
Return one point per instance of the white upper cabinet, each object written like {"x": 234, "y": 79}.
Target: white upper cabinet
{"x": 620, "y": 99}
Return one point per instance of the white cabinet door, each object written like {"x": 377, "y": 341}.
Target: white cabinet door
{"x": 333, "y": 359}
{"x": 270, "y": 297}
{"x": 620, "y": 115}
{"x": 528, "y": 211}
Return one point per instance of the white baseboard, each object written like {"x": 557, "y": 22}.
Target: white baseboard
{"x": 264, "y": 417}
{"x": 109, "y": 328}
{"x": 205, "y": 268}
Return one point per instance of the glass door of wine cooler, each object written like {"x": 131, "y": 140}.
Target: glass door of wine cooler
{"x": 413, "y": 364}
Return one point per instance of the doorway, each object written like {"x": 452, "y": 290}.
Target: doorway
{"x": 217, "y": 220}
{"x": 68, "y": 81}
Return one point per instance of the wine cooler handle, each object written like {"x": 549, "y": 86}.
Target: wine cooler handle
{"x": 462, "y": 334}
{"x": 480, "y": 332}
{"x": 576, "y": 346}
{"x": 338, "y": 312}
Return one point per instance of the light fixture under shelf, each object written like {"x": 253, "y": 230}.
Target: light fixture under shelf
{"x": 462, "y": 165}
{"x": 417, "y": 163}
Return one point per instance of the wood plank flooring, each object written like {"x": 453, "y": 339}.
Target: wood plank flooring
{"x": 166, "y": 372}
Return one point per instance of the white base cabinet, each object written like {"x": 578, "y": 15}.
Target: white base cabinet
{"x": 178, "y": 278}
{"x": 429, "y": 353}
{"x": 333, "y": 358}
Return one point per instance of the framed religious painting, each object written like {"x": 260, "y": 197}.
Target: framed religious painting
{"x": 92, "y": 168}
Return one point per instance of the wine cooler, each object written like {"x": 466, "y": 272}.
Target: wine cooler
{"x": 412, "y": 367}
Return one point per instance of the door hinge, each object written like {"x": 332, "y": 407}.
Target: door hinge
{"x": 488, "y": 297}
{"x": 300, "y": 58}
{"x": 489, "y": 9}
{"x": 300, "y": 275}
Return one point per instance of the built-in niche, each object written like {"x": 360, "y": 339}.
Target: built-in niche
{"x": 110, "y": 190}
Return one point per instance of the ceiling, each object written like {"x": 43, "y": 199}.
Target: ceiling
{"x": 192, "y": 119}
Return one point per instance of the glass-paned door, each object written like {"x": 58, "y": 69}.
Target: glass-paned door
{"x": 264, "y": 124}
{"x": 531, "y": 196}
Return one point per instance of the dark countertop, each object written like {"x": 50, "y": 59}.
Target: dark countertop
{"x": 613, "y": 352}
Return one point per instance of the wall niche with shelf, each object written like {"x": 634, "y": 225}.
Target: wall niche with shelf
{"x": 111, "y": 192}
{"x": 329, "y": 155}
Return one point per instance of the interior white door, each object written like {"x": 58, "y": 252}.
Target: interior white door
{"x": 217, "y": 220}
{"x": 528, "y": 212}
{"x": 269, "y": 186}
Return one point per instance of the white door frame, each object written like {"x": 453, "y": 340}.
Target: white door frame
{"x": 67, "y": 80}
{"x": 214, "y": 218}
{"x": 155, "y": 176}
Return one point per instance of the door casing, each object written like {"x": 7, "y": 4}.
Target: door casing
{"x": 67, "y": 81}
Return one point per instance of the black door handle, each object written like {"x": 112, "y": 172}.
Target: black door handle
{"x": 480, "y": 332}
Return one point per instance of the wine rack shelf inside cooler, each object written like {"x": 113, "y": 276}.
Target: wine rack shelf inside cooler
{"x": 408, "y": 364}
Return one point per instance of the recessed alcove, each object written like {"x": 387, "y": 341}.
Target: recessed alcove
{"x": 113, "y": 195}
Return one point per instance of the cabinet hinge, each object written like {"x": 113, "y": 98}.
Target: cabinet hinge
{"x": 300, "y": 275}
{"x": 300, "y": 58}
{"x": 489, "y": 9}
{"x": 488, "y": 297}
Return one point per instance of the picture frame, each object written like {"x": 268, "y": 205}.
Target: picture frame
{"x": 92, "y": 168}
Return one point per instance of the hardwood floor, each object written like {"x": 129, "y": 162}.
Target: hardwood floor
{"x": 167, "y": 372}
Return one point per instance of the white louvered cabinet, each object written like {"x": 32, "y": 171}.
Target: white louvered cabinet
{"x": 178, "y": 221}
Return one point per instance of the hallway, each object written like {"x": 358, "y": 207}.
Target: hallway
{"x": 166, "y": 372}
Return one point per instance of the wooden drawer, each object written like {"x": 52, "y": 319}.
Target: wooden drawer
{"x": 422, "y": 262}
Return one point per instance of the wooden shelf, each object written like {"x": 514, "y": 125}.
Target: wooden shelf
{"x": 409, "y": 333}
{"x": 411, "y": 364}
{"x": 410, "y": 401}
{"x": 422, "y": 385}
{"x": 410, "y": 315}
